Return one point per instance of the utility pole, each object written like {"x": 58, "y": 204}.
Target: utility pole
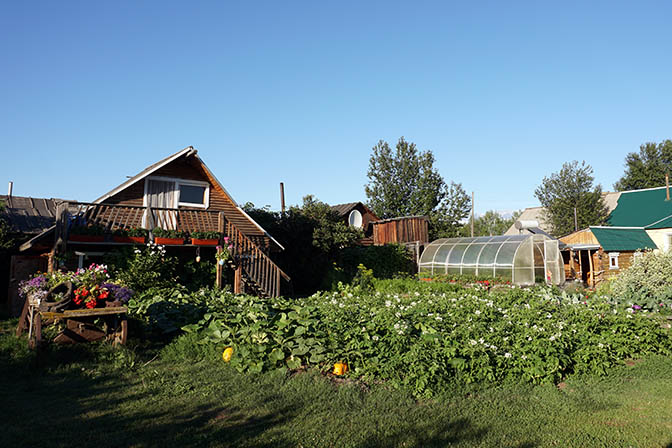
{"x": 472, "y": 214}
{"x": 576, "y": 221}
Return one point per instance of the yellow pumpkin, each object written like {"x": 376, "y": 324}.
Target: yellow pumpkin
{"x": 340, "y": 368}
{"x": 228, "y": 353}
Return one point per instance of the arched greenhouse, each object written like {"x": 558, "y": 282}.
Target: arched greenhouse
{"x": 521, "y": 259}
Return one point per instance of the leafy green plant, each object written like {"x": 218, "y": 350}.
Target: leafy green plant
{"x": 134, "y": 231}
{"x": 420, "y": 336}
{"x": 148, "y": 267}
{"x": 388, "y": 261}
{"x": 163, "y": 233}
{"x": 205, "y": 235}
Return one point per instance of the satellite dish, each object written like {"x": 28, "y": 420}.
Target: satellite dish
{"x": 355, "y": 219}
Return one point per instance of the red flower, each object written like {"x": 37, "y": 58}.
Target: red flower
{"x": 90, "y": 304}
{"x": 103, "y": 295}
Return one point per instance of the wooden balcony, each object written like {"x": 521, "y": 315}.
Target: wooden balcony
{"x": 253, "y": 266}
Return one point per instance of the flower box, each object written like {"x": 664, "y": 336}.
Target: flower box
{"x": 204, "y": 242}
{"x": 129, "y": 239}
{"x": 168, "y": 241}
{"x": 87, "y": 238}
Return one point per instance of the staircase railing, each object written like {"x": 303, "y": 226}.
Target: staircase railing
{"x": 256, "y": 265}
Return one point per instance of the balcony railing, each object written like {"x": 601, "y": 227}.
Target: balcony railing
{"x": 256, "y": 268}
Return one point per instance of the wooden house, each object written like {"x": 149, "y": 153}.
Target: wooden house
{"x": 176, "y": 193}
{"x": 640, "y": 220}
{"x": 598, "y": 253}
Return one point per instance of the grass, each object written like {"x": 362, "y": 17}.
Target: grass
{"x": 141, "y": 395}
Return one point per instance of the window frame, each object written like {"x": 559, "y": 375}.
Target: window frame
{"x": 176, "y": 188}
{"x": 613, "y": 257}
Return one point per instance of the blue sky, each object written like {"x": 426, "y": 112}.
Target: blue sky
{"x": 502, "y": 92}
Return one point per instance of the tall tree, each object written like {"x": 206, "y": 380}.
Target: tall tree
{"x": 569, "y": 189}
{"x": 647, "y": 168}
{"x": 404, "y": 182}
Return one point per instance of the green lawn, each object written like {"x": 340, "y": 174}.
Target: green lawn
{"x": 94, "y": 395}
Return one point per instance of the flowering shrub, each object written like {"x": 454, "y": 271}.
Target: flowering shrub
{"x": 646, "y": 283}
{"x": 148, "y": 267}
{"x": 38, "y": 286}
{"x": 224, "y": 253}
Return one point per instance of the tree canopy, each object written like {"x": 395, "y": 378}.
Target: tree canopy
{"x": 312, "y": 236}
{"x": 490, "y": 224}
{"x": 404, "y": 182}
{"x": 571, "y": 188}
{"x": 647, "y": 168}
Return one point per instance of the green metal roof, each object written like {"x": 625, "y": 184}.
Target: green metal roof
{"x": 641, "y": 208}
{"x": 664, "y": 223}
{"x": 615, "y": 239}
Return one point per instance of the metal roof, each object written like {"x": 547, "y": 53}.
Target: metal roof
{"x": 29, "y": 215}
{"x": 642, "y": 208}
{"x": 615, "y": 238}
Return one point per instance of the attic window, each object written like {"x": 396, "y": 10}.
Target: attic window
{"x": 170, "y": 192}
{"x": 613, "y": 260}
{"x": 192, "y": 194}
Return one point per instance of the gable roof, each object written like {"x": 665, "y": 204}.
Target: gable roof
{"x": 147, "y": 171}
{"x": 642, "y": 208}
{"x": 620, "y": 238}
{"x": 188, "y": 151}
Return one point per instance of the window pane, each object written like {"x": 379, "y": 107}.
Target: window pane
{"x": 192, "y": 194}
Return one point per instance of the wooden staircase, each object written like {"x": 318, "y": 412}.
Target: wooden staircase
{"x": 253, "y": 267}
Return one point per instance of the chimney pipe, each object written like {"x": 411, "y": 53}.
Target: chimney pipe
{"x": 282, "y": 197}
{"x": 10, "y": 188}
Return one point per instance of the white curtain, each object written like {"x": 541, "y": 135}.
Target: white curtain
{"x": 162, "y": 194}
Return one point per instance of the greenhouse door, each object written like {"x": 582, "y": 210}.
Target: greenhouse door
{"x": 551, "y": 262}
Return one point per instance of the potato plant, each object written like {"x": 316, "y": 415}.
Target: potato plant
{"x": 425, "y": 338}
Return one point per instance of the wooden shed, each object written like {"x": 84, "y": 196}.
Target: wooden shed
{"x": 356, "y": 214}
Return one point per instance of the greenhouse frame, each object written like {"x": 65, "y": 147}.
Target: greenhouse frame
{"x": 521, "y": 259}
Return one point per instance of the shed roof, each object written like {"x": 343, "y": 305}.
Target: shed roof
{"x": 619, "y": 238}
{"x": 344, "y": 209}
{"x": 27, "y": 214}
{"x": 641, "y": 208}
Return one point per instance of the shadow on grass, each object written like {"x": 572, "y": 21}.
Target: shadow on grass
{"x": 429, "y": 435}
